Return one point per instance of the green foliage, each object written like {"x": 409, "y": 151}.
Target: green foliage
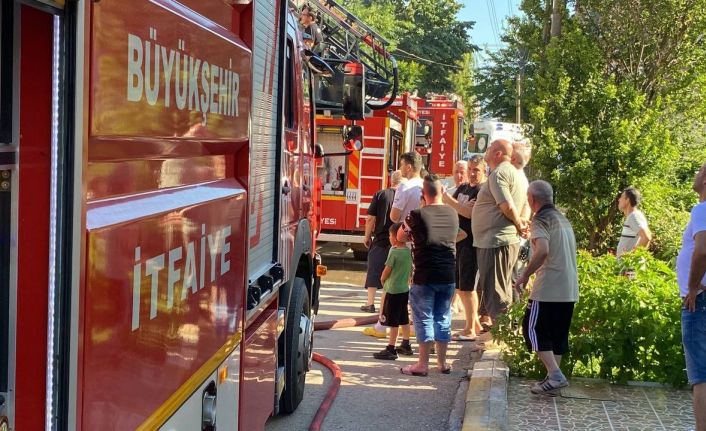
{"x": 623, "y": 328}
{"x": 618, "y": 99}
{"x": 667, "y": 210}
{"x": 420, "y": 30}
{"x": 594, "y": 137}
{"x": 463, "y": 79}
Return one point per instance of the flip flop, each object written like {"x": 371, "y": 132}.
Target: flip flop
{"x": 446, "y": 370}
{"x": 461, "y": 337}
{"x": 407, "y": 371}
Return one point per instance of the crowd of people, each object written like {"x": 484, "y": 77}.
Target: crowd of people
{"x": 430, "y": 245}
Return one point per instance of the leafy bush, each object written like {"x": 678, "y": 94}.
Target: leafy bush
{"x": 623, "y": 328}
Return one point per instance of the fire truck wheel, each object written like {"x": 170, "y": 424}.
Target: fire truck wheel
{"x": 360, "y": 254}
{"x": 298, "y": 337}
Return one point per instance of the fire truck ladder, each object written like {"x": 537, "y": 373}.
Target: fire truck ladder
{"x": 343, "y": 33}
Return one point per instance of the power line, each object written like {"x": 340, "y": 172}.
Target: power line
{"x": 411, "y": 56}
{"x": 492, "y": 21}
{"x": 497, "y": 22}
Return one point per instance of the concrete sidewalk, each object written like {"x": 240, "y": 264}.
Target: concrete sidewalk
{"x": 496, "y": 401}
{"x": 373, "y": 394}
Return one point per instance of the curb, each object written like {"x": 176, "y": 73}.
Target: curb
{"x": 486, "y": 399}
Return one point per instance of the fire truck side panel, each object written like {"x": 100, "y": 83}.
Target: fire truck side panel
{"x": 264, "y": 149}
{"x": 149, "y": 337}
{"x": 33, "y": 218}
{"x": 162, "y": 301}
{"x": 259, "y": 365}
{"x": 228, "y": 377}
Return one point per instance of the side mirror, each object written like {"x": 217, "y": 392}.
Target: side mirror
{"x": 318, "y": 151}
{"x": 352, "y": 138}
{"x": 317, "y": 65}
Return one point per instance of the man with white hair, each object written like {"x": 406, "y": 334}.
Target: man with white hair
{"x": 460, "y": 176}
{"x": 555, "y": 290}
{"x": 521, "y": 155}
{"x": 377, "y": 238}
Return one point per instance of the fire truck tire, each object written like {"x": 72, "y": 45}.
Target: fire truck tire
{"x": 298, "y": 337}
{"x": 360, "y": 255}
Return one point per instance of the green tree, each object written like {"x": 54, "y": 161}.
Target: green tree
{"x": 463, "y": 80}
{"x": 617, "y": 99}
{"x": 425, "y": 35}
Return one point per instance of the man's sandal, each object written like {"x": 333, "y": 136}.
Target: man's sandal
{"x": 407, "y": 371}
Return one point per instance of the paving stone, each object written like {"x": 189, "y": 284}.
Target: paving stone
{"x": 632, "y": 408}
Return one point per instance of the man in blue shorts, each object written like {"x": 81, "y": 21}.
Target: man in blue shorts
{"x": 433, "y": 230}
{"x": 691, "y": 277}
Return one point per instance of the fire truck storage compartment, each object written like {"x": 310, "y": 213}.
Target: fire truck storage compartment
{"x": 166, "y": 203}
{"x": 334, "y": 178}
{"x": 163, "y": 294}
{"x": 259, "y": 367}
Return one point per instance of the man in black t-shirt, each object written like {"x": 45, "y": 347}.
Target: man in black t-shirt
{"x": 433, "y": 230}
{"x": 377, "y": 238}
{"x": 466, "y": 264}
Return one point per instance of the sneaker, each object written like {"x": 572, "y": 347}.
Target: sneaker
{"x": 404, "y": 349}
{"x": 368, "y": 308}
{"x": 373, "y": 333}
{"x": 548, "y": 387}
{"x": 385, "y": 354}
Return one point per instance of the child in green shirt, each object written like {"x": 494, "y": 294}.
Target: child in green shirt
{"x": 395, "y": 280}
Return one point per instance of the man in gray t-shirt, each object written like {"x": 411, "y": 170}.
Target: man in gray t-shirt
{"x": 496, "y": 224}
{"x": 555, "y": 290}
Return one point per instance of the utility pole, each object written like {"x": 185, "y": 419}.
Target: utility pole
{"x": 518, "y": 111}
{"x": 557, "y": 12}
{"x": 548, "y": 7}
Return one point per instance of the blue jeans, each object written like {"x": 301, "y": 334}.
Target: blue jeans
{"x": 693, "y": 335}
{"x": 431, "y": 308}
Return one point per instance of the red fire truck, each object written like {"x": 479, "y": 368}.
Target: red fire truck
{"x": 445, "y": 114}
{"x": 157, "y": 212}
{"x": 350, "y": 181}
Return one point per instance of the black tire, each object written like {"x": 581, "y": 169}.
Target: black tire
{"x": 297, "y": 351}
{"x": 360, "y": 255}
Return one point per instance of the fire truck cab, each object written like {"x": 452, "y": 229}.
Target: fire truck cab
{"x": 158, "y": 214}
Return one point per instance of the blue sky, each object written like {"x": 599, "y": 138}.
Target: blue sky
{"x": 484, "y": 13}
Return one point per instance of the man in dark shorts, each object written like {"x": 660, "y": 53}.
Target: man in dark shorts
{"x": 466, "y": 263}
{"x": 555, "y": 289}
{"x": 377, "y": 238}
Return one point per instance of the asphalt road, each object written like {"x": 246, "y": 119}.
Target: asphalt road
{"x": 373, "y": 394}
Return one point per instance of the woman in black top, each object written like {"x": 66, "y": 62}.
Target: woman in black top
{"x": 433, "y": 230}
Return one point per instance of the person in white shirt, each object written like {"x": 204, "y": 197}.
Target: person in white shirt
{"x": 636, "y": 232}
{"x": 691, "y": 277}
{"x": 408, "y": 194}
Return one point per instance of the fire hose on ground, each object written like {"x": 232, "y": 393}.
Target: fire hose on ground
{"x": 335, "y": 369}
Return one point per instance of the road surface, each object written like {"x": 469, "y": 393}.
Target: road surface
{"x": 373, "y": 394}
